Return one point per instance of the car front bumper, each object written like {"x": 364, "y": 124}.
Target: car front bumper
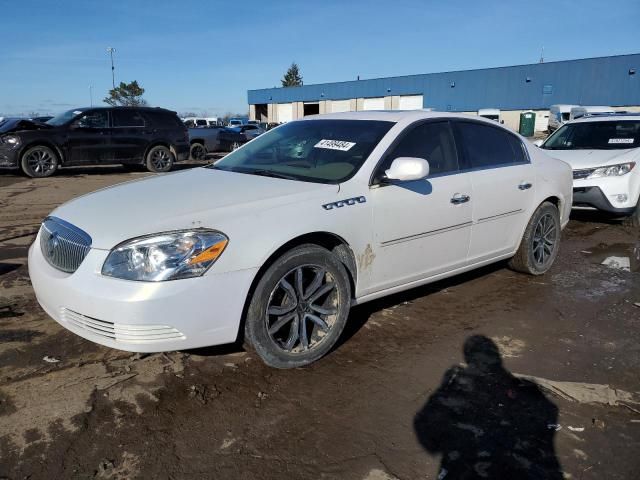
{"x": 617, "y": 195}
{"x": 141, "y": 316}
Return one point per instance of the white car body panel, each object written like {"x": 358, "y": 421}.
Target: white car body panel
{"x": 261, "y": 214}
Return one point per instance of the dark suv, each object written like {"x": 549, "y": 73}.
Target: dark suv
{"x": 153, "y": 137}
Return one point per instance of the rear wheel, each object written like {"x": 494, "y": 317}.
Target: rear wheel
{"x": 540, "y": 242}
{"x": 159, "y": 159}
{"x": 234, "y": 146}
{"x": 198, "y": 151}
{"x": 299, "y": 308}
{"x": 39, "y": 162}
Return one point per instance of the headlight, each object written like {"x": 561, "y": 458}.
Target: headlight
{"x": 11, "y": 140}
{"x": 165, "y": 256}
{"x": 613, "y": 170}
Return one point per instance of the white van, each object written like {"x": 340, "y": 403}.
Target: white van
{"x": 490, "y": 113}
{"x": 559, "y": 115}
{"x": 195, "y": 122}
{"x": 577, "y": 112}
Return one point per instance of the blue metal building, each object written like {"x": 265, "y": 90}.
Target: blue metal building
{"x": 609, "y": 81}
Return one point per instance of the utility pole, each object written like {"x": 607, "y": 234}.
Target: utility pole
{"x": 91, "y": 94}
{"x": 542, "y": 56}
{"x": 110, "y": 51}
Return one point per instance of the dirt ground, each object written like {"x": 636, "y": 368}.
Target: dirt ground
{"x": 551, "y": 387}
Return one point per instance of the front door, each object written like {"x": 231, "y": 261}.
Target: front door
{"x": 88, "y": 139}
{"x": 503, "y": 187}
{"x": 423, "y": 227}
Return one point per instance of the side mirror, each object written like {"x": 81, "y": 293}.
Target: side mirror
{"x": 406, "y": 169}
{"x": 538, "y": 142}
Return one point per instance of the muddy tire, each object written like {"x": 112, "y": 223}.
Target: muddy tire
{"x": 299, "y": 308}
{"x": 540, "y": 243}
{"x": 198, "y": 151}
{"x": 159, "y": 159}
{"x": 39, "y": 162}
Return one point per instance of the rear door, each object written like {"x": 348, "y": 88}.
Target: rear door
{"x": 130, "y": 135}
{"x": 89, "y": 139}
{"x": 503, "y": 187}
{"x": 421, "y": 228}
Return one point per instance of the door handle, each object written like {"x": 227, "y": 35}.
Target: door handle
{"x": 459, "y": 198}
{"x": 525, "y": 186}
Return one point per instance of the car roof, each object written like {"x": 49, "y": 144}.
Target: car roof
{"x": 395, "y": 115}
{"x": 608, "y": 118}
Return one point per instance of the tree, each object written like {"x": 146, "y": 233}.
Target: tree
{"x": 126, "y": 95}
{"x": 292, "y": 78}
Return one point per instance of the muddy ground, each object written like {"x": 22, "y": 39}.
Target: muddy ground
{"x": 394, "y": 400}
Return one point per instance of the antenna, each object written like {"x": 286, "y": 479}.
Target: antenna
{"x": 542, "y": 56}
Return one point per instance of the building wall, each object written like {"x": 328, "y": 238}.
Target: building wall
{"x": 592, "y": 81}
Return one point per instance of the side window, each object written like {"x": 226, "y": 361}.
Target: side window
{"x": 96, "y": 119}
{"x": 127, "y": 118}
{"x": 432, "y": 141}
{"x": 487, "y": 146}
{"x": 190, "y": 123}
{"x": 201, "y": 123}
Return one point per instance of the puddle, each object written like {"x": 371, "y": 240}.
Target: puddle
{"x": 619, "y": 256}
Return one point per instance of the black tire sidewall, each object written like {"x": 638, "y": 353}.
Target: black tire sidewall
{"x": 24, "y": 166}
{"x": 544, "y": 209}
{"x": 149, "y": 163}
{"x": 197, "y": 145}
{"x": 256, "y": 334}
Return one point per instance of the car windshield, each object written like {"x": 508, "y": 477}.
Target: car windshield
{"x": 63, "y": 118}
{"x": 605, "y": 135}
{"x": 320, "y": 151}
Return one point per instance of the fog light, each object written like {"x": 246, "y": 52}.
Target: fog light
{"x": 621, "y": 197}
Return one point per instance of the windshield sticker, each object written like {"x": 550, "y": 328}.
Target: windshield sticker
{"x": 335, "y": 145}
{"x": 621, "y": 140}
{"x": 77, "y": 112}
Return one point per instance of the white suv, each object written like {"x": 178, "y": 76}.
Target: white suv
{"x": 604, "y": 152}
{"x": 276, "y": 242}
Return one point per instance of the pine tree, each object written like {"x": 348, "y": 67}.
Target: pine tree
{"x": 126, "y": 95}
{"x": 292, "y": 78}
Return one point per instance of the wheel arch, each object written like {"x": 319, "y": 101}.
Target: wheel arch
{"x": 332, "y": 242}
{"x": 44, "y": 143}
{"x": 158, "y": 143}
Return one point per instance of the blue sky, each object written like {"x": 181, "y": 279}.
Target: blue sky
{"x": 202, "y": 56}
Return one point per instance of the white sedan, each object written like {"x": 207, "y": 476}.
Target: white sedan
{"x": 604, "y": 152}
{"x": 274, "y": 244}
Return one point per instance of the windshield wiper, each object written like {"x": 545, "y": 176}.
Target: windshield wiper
{"x": 269, "y": 173}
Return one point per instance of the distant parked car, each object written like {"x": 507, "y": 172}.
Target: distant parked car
{"x": 273, "y": 244}
{"x": 153, "y": 137}
{"x": 214, "y": 139}
{"x": 581, "y": 111}
{"x": 193, "y": 122}
{"x": 237, "y": 121}
{"x": 250, "y": 131}
{"x": 604, "y": 153}
{"x": 559, "y": 115}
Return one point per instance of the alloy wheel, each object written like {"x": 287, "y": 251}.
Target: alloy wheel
{"x": 198, "y": 152}
{"x": 544, "y": 239}
{"x": 160, "y": 159}
{"x": 40, "y": 161}
{"x": 302, "y": 309}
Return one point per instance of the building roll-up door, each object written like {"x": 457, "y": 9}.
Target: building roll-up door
{"x": 410, "y": 102}
{"x": 285, "y": 112}
{"x": 340, "y": 106}
{"x": 373, "y": 103}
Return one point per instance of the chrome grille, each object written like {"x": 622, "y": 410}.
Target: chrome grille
{"x": 121, "y": 332}
{"x": 580, "y": 174}
{"x": 63, "y": 245}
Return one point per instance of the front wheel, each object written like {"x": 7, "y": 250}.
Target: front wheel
{"x": 299, "y": 308}
{"x": 540, "y": 242}
{"x": 159, "y": 159}
{"x": 198, "y": 151}
{"x": 39, "y": 162}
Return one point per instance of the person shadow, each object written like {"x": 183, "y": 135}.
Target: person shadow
{"x": 487, "y": 423}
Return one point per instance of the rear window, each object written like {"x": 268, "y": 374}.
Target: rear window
{"x": 606, "y": 135}
{"x": 127, "y": 118}
{"x": 164, "y": 119}
{"x": 487, "y": 146}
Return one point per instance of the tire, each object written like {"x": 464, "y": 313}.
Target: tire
{"x": 278, "y": 326}
{"x": 234, "y": 146}
{"x": 39, "y": 162}
{"x": 198, "y": 151}
{"x": 159, "y": 159}
{"x": 538, "y": 250}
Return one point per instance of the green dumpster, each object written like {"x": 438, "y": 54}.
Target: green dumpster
{"x": 527, "y": 124}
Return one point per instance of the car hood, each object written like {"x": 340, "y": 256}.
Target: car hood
{"x": 581, "y": 159}
{"x": 196, "y": 198}
{"x": 21, "y": 125}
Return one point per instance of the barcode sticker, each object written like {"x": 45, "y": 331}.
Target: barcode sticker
{"x": 621, "y": 140}
{"x": 335, "y": 145}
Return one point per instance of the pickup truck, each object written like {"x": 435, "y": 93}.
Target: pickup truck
{"x": 213, "y": 139}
